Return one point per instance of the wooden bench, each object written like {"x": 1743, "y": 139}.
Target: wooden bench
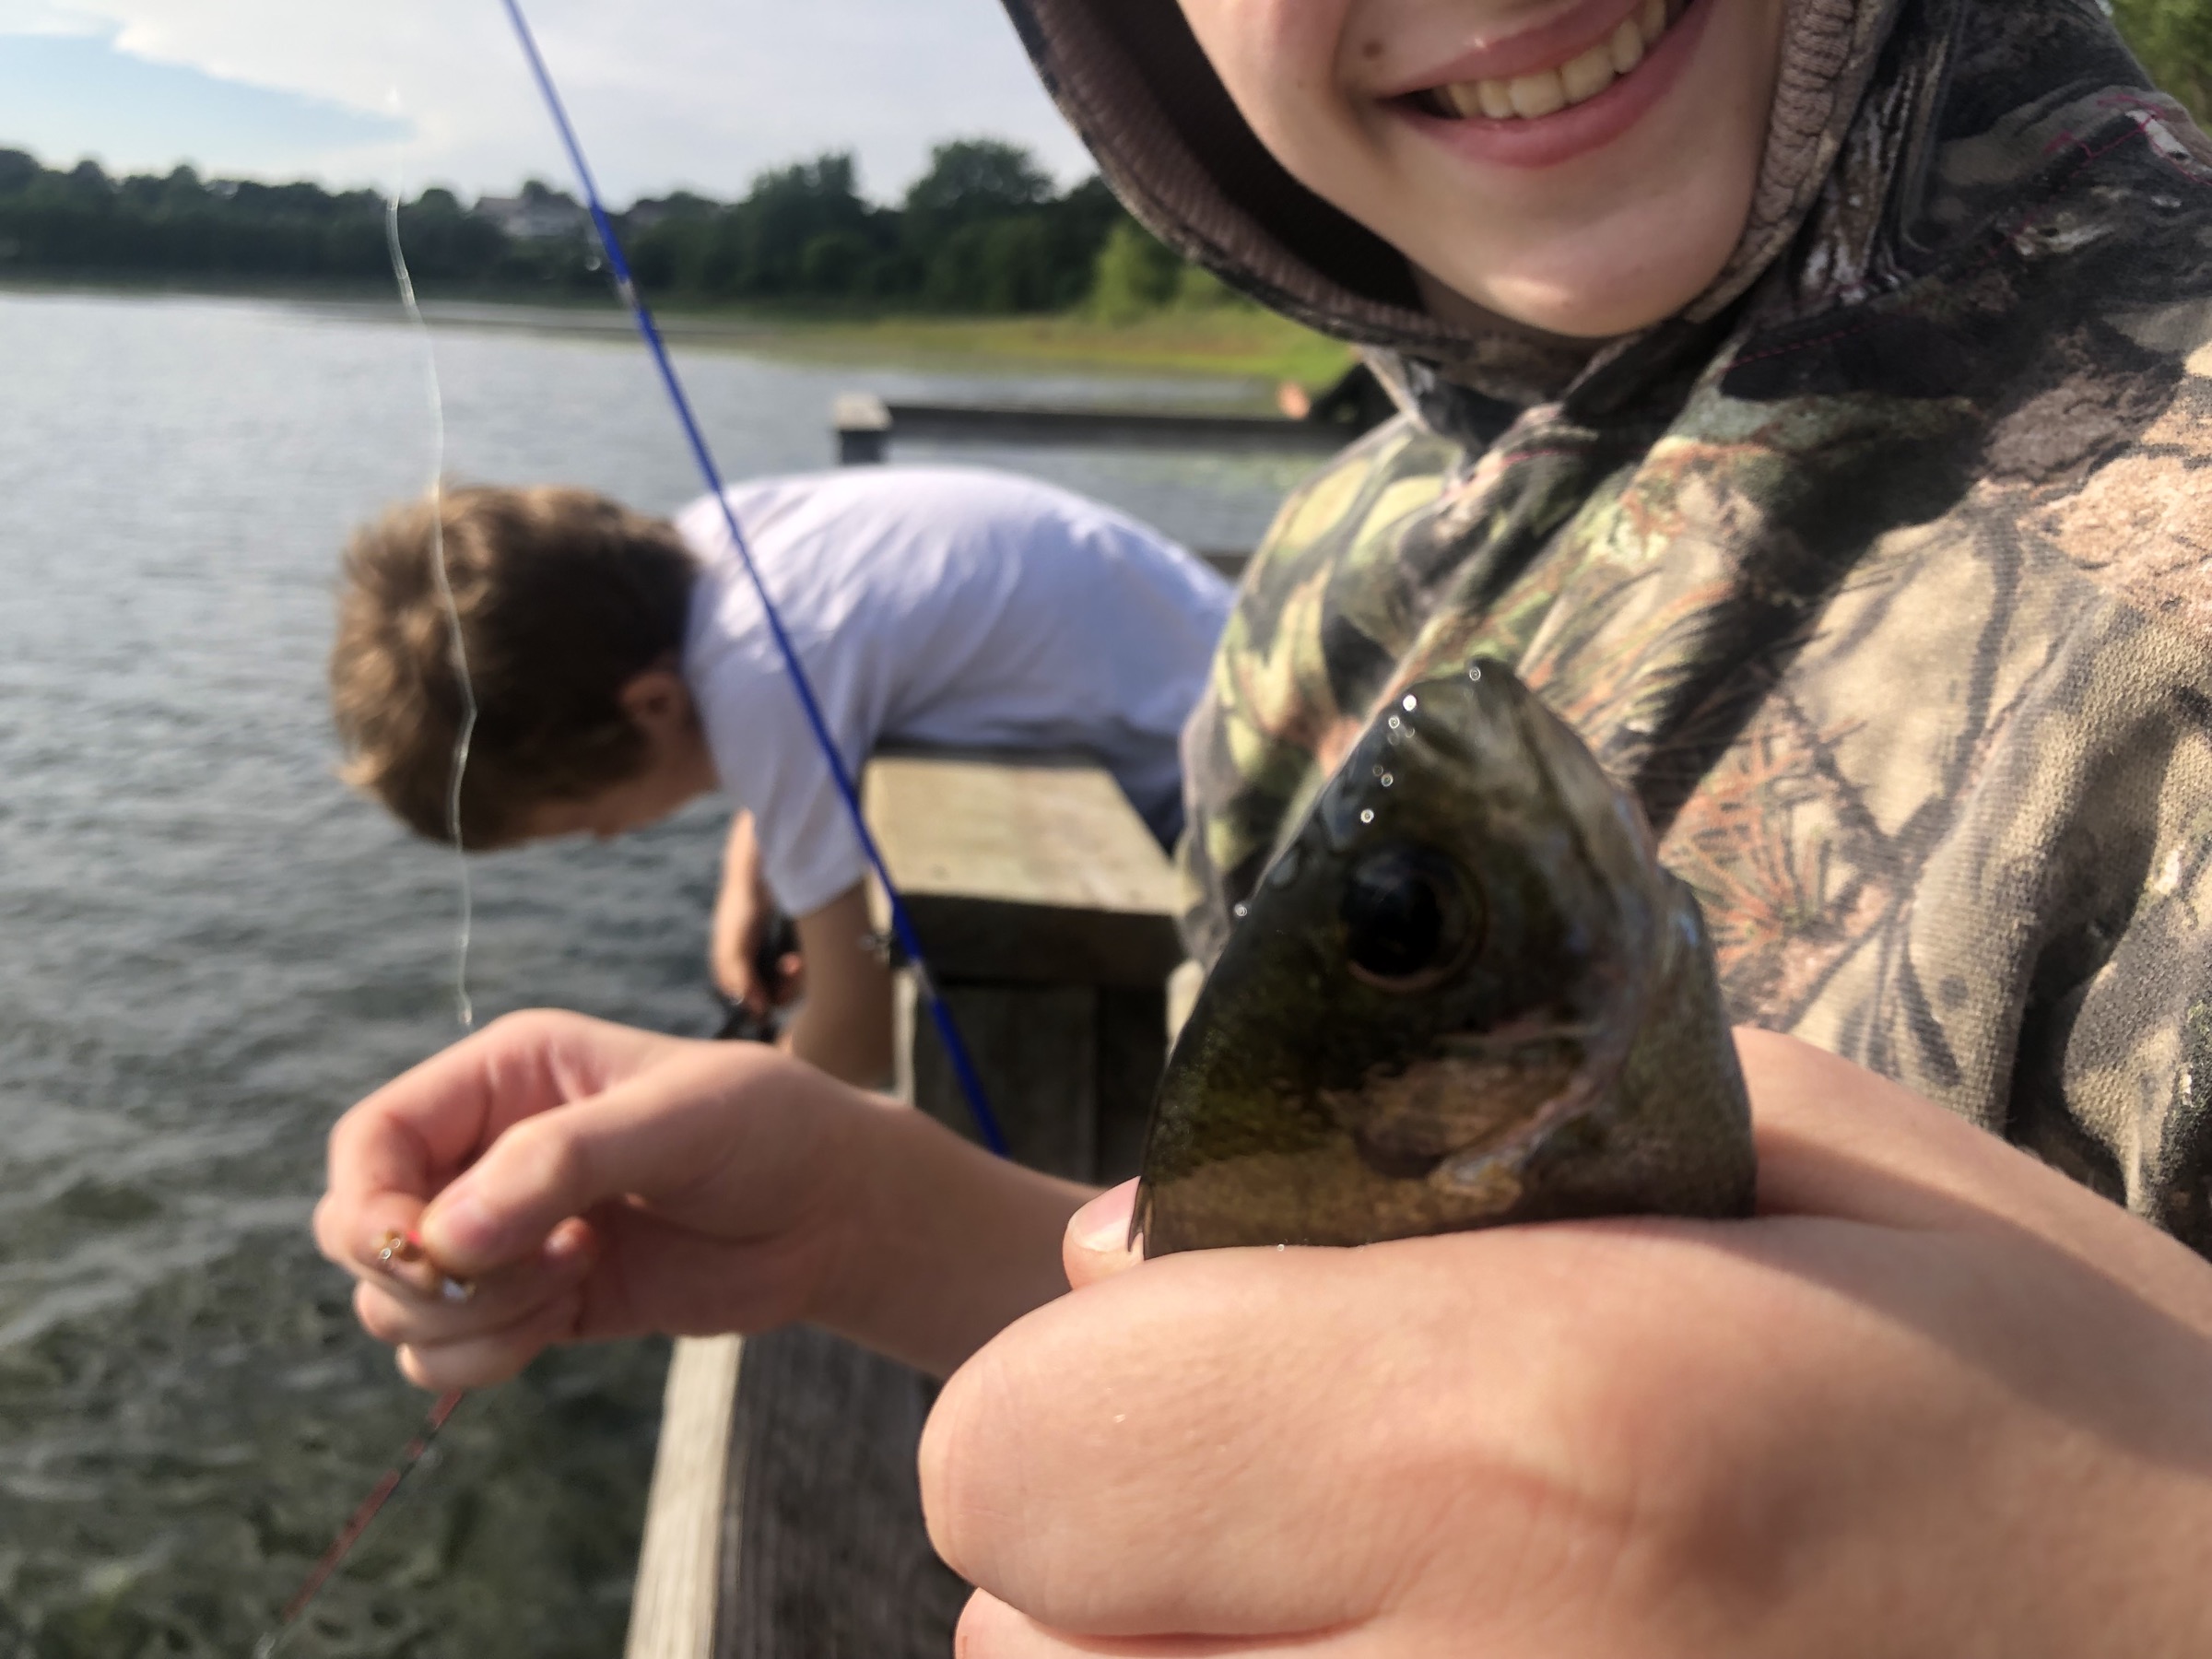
{"x": 784, "y": 1521}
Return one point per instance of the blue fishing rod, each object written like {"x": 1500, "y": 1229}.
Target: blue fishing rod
{"x": 902, "y": 927}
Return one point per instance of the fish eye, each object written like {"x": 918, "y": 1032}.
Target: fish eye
{"x": 1408, "y": 918}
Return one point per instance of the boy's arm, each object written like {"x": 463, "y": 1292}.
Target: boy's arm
{"x": 844, "y": 1026}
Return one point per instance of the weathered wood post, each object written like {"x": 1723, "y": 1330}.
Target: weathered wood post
{"x": 1047, "y": 911}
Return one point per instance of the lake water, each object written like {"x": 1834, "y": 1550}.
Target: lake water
{"x": 208, "y": 949}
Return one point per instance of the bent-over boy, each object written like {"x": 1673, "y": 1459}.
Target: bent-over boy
{"x": 622, "y": 666}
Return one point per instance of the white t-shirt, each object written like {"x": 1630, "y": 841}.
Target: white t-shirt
{"x": 937, "y": 606}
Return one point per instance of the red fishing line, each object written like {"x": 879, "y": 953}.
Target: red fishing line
{"x": 360, "y": 1521}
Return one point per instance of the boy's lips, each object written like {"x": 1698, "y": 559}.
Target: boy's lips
{"x": 1563, "y": 119}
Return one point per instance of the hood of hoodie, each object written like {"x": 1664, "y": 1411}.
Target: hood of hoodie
{"x": 1882, "y": 574}
{"x": 1131, "y": 78}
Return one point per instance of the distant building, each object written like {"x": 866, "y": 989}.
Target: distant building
{"x": 653, "y": 210}
{"x": 537, "y": 215}
{"x": 646, "y": 215}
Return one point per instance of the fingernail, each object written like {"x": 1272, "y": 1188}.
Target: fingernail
{"x": 1103, "y": 1225}
{"x": 463, "y": 1225}
{"x": 570, "y": 1246}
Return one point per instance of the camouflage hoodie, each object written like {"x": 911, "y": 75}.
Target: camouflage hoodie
{"x": 1884, "y": 572}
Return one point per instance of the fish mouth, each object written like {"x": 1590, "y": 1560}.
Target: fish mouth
{"x": 1571, "y": 75}
{"x": 1394, "y": 1162}
{"x": 1470, "y": 1099}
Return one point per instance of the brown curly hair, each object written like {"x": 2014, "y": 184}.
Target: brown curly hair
{"x": 563, "y": 596}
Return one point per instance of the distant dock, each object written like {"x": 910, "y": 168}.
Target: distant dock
{"x": 867, "y": 427}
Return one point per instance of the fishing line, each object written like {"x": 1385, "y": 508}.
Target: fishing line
{"x": 903, "y": 927}
{"x": 410, "y": 1459}
{"x": 457, "y": 646}
{"x": 417, "y": 1449}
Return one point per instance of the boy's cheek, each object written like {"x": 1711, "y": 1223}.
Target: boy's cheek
{"x": 1276, "y": 59}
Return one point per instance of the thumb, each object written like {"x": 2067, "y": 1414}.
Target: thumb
{"x": 1097, "y": 1245}
{"x": 558, "y": 1164}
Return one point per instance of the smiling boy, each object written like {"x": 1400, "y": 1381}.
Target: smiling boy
{"x": 1867, "y": 547}
{"x": 1813, "y": 400}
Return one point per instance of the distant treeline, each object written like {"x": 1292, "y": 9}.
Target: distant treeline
{"x": 2173, "y": 37}
{"x": 984, "y": 231}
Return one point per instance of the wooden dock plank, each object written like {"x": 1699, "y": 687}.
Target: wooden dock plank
{"x": 1024, "y": 868}
{"x": 1049, "y": 829}
{"x": 827, "y": 1555}
{"x": 679, "y": 1566}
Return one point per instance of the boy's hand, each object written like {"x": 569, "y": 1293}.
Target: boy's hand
{"x": 1936, "y": 1400}
{"x": 735, "y": 955}
{"x": 744, "y": 910}
{"x": 586, "y": 1180}
{"x": 615, "y": 1183}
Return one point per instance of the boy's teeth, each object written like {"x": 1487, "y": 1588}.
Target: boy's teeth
{"x": 1537, "y": 94}
{"x": 1589, "y": 75}
{"x": 1627, "y": 46}
{"x": 1547, "y": 91}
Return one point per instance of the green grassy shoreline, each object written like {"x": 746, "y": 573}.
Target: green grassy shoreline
{"x": 1247, "y": 344}
{"x": 1233, "y": 341}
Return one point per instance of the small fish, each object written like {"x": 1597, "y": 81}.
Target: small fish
{"x": 1465, "y": 993}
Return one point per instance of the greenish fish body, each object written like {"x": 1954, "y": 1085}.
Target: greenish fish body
{"x": 1465, "y": 993}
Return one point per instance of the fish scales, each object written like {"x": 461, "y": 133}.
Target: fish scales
{"x": 1465, "y": 994}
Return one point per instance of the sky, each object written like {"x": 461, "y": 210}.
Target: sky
{"x": 696, "y": 94}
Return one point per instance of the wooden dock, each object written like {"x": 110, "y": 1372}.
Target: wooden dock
{"x": 786, "y": 1521}
{"x": 785, "y": 1517}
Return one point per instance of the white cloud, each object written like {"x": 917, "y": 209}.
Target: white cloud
{"x": 44, "y": 18}
{"x": 702, "y": 93}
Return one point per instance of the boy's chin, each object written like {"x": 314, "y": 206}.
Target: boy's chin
{"x": 1590, "y": 289}
{"x": 1580, "y": 315}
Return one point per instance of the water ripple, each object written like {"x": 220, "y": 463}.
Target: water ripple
{"x": 207, "y": 950}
